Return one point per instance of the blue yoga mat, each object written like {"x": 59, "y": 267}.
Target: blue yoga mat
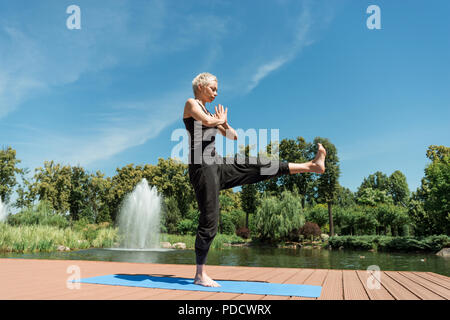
{"x": 249, "y": 287}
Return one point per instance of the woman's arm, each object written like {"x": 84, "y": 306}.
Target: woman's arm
{"x": 192, "y": 109}
{"x": 227, "y": 131}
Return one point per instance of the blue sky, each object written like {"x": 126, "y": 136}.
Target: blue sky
{"x": 113, "y": 92}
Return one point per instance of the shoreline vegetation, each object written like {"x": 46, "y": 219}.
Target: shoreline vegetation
{"x": 64, "y": 207}
{"x": 45, "y": 238}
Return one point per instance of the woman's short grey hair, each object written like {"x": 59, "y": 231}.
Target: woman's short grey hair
{"x": 203, "y": 79}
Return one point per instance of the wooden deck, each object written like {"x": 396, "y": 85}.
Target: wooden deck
{"x": 47, "y": 280}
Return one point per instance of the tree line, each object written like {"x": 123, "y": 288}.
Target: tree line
{"x": 382, "y": 204}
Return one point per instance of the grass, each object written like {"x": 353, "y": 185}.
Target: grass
{"x": 44, "y": 238}
{"x": 219, "y": 242}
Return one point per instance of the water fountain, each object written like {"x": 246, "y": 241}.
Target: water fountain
{"x": 139, "y": 219}
{"x": 3, "y": 211}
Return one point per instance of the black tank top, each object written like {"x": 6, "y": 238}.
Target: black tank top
{"x": 201, "y": 140}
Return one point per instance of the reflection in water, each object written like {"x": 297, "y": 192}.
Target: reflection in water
{"x": 264, "y": 257}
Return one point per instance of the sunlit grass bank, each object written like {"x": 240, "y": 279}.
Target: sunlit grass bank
{"x": 42, "y": 238}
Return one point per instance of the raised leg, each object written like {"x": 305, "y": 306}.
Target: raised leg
{"x": 317, "y": 165}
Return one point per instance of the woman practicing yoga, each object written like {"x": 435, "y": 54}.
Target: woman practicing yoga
{"x": 209, "y": 173}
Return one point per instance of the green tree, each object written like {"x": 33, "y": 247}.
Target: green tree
{"x": 373, "y": 197}
{"x": 435, "y": 189}
{"x": 171, "y": 214}
{"x": 52, "y": 182}
{"x": 122, "y": 183}
{"x": 376, "y": 181}
{"x": 344, "y": 197}
{"x": 97, "y": 196}
{"x": 171, "y": 179}
{"x": 249, "y": 193}
{"x": 318, "y": 214}
{"x": 249, "y": 199}
{"x": 398, "y": 188}
{"x": 78, "y": 196}
{"x": 8, "y": 172}
{"x": 364, "y": 221}
{"x": 419, "y": 217}
{"x": 297, "y": 151}
{"x": 391, "y": 218}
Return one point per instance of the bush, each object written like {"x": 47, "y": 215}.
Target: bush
{"x": 186, "y": 226}
{"x": 309, "y": 230}
{"x": 243, "y": 232}
{"x": 221, "y": 240}
{"x": 89, "y": 230}
{"x": 436, "y": 243}
{"x": 324, "y": 237}
{"x": 317, "y": 214}
{"x": 388, "y": 243}
{"x": 226, "y": 225}
{"x": 238, "y": 218}
{"x": 40, "y": 214}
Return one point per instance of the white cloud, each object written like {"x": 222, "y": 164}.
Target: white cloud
{"x": 44, "y": 59}
{"x": 132, "y": 123}
{"x": 300, "y": 40}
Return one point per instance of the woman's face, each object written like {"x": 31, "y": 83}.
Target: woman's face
{"x": 209, "y": 92}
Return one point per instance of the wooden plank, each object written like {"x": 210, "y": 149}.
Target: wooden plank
{"x": 282, "y": 275}
{"x": 429, "y": 276}
{"x": 100, "y": 293}
{"x": 373, "y": 287}
{"x": 46, "y": 279}
{"x": 196, "y": 295}
{"x": 437, "y": 289}
{"x": 265, "y": 275}
{"x": 439, "y": 275}
{"x": 353, "y": 288}
{"x": 33, "y": 289}
{"x": 395, "y": 289}
{"x": 273, "y": 297}
{"x": 165, "y": 294}
{"x": 332, "y": 288}
{"x": 414, "y": 287}
{"x": 248, "y": 274}
{"x": 278, "y": 275}
{"x": 222, "y": 296}
{"x": 246, "y": 296}
{"x": 316, "y": 278}
{"x": 300, "y": 276}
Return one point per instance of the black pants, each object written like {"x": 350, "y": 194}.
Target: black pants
{"x": 209, "y": 179}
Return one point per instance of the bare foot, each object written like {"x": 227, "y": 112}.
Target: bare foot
{"x": 205, "y": 280}
{"x": 318, "y": 164}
